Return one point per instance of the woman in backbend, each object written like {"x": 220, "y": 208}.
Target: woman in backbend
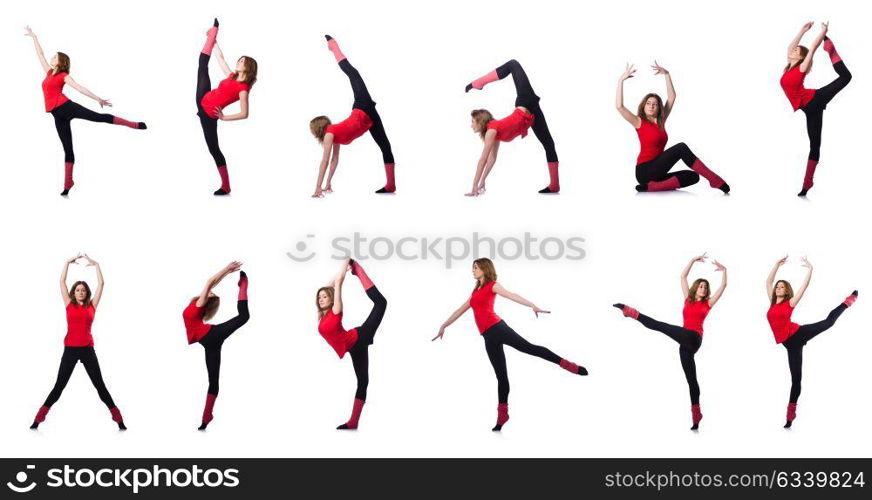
{"x": 655, "y": 161}
{"x": 496, "y": 333}
{"x": 363, "y": 117}
{"x": 211, "y": 102}
{"x": 698, "y": 301}
{"x": 811, "y": 102}
{"x": 200, "y": 310}
{"x": 527, "y": 114}
{"x": 792, "y": 336}
{"x": 81, "y": 307}
{"x": 64, "y": 111}
{"x": 355, "y": 341}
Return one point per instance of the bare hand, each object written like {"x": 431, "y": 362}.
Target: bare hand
{"x": 781, "y": 261}
{"x": 807, "y": 26}
{"x": 825, "y": 27}
{"x": 628, "y": 72}
{"x": 233, "y": 266}
{"x": 719, "y": 267}
{"x": 29, "y": 32}
{"x": 701, "y": 258}
{"x": 806, "y": 263}
{"x": 538, "y": 311}
{"x": 440, "y": 334}
{"x": 104, "y": 103}
{"x": 91, "y": 262}
{"x": 219, "y": 113}
{"x": 659, "y": 70}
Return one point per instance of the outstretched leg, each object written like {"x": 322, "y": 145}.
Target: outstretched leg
{"x": 65, "y": 134}
{"x": 360, "y": 361}
{"x": 92, "y": 367}
{"x": 377, "y": 131}
{"x": 65, "y": 371}
{"x": 540, "y": 128}
{"x": 511, "y": 338}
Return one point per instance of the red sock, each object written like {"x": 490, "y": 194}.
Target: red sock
{"x": 355, "y": 413}
{"x": 116, "y": 415}
{"x": 207, "y": 410}
{"x": 554, "y": 186}
{"x": 333, "y": 46}
{"x": 808, "y": 182}
{"x": 714, "y": 180}
{"x": 502, "y": 413}
{"x": 569, "y": 366}
{"x": 40, "y": 415}
{"x": 127, "y": 123}
{"x": 243, "y": 286}
{"x": 831, "y": 50}
{"x": 851, "y": 299}
{"x": 211, "y": 35}
{"x": 390, "y": 185}
{"x": 357, "y": 270}
{"x": 225, "y": 178}
{"x": 696, "y": 413}
{"x": 791, "y": 412}
{"x": 68, "y": 175}
{"x": 630, "y": 312}
{"x": 670, "y": 184}
{"x": 479, "y": 83}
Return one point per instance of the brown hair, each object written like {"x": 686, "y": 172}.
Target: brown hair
{"x": 487, "y": 268}
{"x": 318, "y": 127}
{"x": 482, "y": 117}
{"x": 250, "y": 66}
{"x": 803, "y": 50}
{"x": 788, "y": 292}
{"x": 329, "y": 291}
{"x": 641, "y": 111}
{"x": 63, "y": 64}
{"x": 693, "y": 288}
{"x": 210, "y": 307}
{"x": 87, "y": 302}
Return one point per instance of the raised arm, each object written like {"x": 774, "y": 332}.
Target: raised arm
{"x": 326, "y": 146}
{"x": 82, "y": 90}
{"x": 717, "y": 295}
{"x": 798, "y": 38}
{"x": 98, "y": 293}
{"x": 814, "y": 46}
{"x": 451, "y": 319}
{"x": 219, "y": 56}
{"x": 337, "y": 286}
{"x": 214, "y": 280}
{"x": 514, "y": 297}
{"x": 243, "y": 109}
{"x": 685, "y": 286}
{"x": 628, "y": 115}
{"x": 65, "y": 292}
{"x": 770, "y": 280}
{"x": 39, "y": 53}
{"x": 490, "y": 140}
{"x": 670, "y": 89}
{"x": 799, "y": 293}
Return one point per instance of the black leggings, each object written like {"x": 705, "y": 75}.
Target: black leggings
{"x": 797, "y": 341}
{"x": 88, "y": 357}
{"x": 658, "y": 169}
{"x": 528, "y": 99}
{"x": 215, "y": 338}
{"x": 689, "y": 342}
{"x": 209, "y": 124}
{"x": 66, "y": 113}
{"x": 365, "y": 338}
{"x": 814, "y": 110}
{"x": 363, "y": 101}
{"x": 500, "y": 334}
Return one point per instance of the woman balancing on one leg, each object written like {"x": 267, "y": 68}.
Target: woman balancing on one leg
{"x": 654, "y": 162}
{"x": 792, "y": 336}
{"x": 79, "y": 344}
{"x": 527, "y": 114}
{"x": 211, "y": 102}
{"x": 363, "y": 117}
{"x": 64, "y": 111}
{"x": 355, "y": 341}
{"x": 698, "y": 301}
{"x": 212, "y": 337}
{"x": 811, "y": 102}
{"x": 496, "y": 333}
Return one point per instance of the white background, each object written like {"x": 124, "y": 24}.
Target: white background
{"x": 143, "y": 207}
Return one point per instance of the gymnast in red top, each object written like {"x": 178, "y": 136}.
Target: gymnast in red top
{"x": 496, "y": 333}
{"x": 363, "y": 118}
{"x": 235, "y": 86}
{"x": 655, "y": 161}
{"x": 81, "y": 307}
{"x": 200, "y": 310}
{"x": 356, "y": 341}
{"x": 792, "y": 336}
{"x": 811, "y": 102}
{"x": 698, "y": 301}
{"x": 527, "y": 114}
{"x": 64, "y": 111}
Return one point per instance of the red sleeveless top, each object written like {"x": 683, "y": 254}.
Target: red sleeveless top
{"x": 79, "y": 321}
{"x": 779, "y": 319}
{"x": 53, "y": 90}
{"x": 793, "y": 84}
{"x": 350, "y": 128}
{"x": 652, "y": 141}
{"x": 226, "y": 94}
{"x": 330, "y": 327}
{"x": 482, "y": 303}
{"x": 194, "y": 325}
{"x": 517, "y": 123}
{"x": 694, "y": 314}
